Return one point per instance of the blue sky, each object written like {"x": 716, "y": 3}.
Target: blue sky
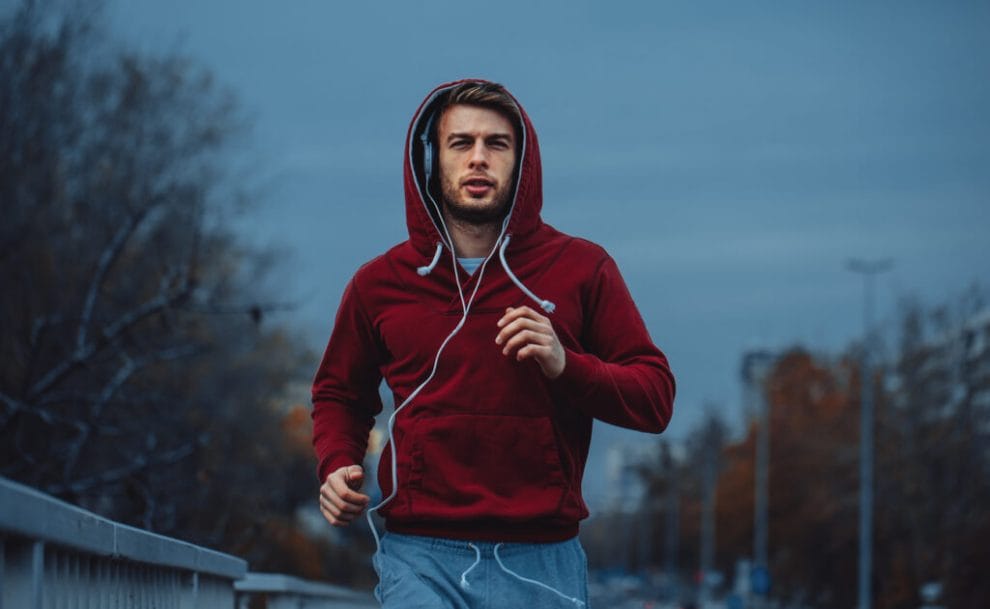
{"x": 730, "y": 155}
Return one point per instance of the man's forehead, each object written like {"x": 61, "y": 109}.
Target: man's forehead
{"x": 473, "y": 120}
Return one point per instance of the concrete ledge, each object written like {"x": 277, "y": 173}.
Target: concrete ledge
{"x": 27, "y": 512}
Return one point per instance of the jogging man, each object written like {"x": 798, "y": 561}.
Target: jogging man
{"x": 501, "y": 340}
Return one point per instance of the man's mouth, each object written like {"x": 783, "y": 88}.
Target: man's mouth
{"x": 478, "y": 187}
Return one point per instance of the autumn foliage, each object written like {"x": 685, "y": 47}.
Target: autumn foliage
{"x": 932, "y": 474}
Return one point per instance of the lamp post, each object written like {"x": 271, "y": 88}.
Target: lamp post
{"x": 869, "y": 269}
{"x": 755, "y": 370}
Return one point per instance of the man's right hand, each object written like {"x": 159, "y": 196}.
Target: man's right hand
{"x": 340, "y": 501}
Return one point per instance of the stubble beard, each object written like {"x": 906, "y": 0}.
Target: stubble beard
{"x": 476, "y": 215}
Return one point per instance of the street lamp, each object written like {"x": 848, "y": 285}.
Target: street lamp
{"x": 869, "y": 269}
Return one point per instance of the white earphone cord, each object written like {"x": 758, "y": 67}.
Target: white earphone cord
{"x": 500, "y": 246}
{"x": 465, "y": 307}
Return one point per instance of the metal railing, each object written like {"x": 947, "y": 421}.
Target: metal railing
{"x": 54, "y": 555}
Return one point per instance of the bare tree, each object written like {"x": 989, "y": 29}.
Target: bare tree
{"x": 936, "y": 448}
{"x": 141, "y": 376}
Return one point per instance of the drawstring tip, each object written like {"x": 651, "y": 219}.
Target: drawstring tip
{"x": 426, "y": 270}
{"x": 477, "y": 559}
{"x": 546, "y": 305}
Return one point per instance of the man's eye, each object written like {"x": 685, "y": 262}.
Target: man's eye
{"x": 460, "y": 144}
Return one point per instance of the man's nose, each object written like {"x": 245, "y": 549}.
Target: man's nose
{"x": 479, "y": 155}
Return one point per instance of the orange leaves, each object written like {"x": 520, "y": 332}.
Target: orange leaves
{"x": 297, "y": 427}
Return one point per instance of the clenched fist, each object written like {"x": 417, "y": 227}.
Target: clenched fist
{"x": 527, "y": 334}
{"x": 340, "y": 499}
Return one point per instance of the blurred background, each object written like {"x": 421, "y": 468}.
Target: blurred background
{"x": 798, "y": 196}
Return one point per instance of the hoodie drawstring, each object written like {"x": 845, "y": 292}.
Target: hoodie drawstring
{"x": 546, "y": 305}
{"x": 477, "y": 560}
{"x": 464, "y": 582}
{"x": 426, "y": 270}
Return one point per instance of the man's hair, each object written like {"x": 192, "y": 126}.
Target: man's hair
{"x": 490, "y": 95}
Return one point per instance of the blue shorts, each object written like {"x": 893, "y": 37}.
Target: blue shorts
{"x": 428, "y": 572}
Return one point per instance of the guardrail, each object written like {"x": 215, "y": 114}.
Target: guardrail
{"x": 54, "y": 555}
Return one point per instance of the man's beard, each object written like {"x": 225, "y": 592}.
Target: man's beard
{"x": 472, "y": 214}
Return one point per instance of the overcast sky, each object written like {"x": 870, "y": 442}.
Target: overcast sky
{"x": 730, "y": 155}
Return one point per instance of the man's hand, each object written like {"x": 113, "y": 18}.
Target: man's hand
{"x": 340, "y": 500}
{"x": 530, "y": 336}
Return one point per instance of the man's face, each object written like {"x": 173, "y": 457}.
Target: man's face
{"x": 477, "y": 159}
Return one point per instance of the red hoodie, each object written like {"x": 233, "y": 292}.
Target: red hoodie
{"x": 490, "y": 449}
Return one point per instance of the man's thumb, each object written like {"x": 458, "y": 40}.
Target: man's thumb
{"x": 355, "y": 476}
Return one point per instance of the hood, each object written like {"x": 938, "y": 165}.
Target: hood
{"x": 524, "y": 212}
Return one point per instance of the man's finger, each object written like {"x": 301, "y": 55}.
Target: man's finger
{"x": 526, "y": 337}
{"x": 513, "y": 313}
{"x": 533, "y": 351}
{"x": 337, "y": 522}
{"x": 521, "y": 324}
{"x": 339, "y": 486}
{"x": 340, "y": 507}
{"x": 329, "y": 506}
{"x": 354, "y": 476}
{"x": 523, "y": 311}
{"x": 329, "y": 515}
{"x": 351, "y": 498}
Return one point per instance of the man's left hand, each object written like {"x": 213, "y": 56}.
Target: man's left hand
{"x": 530, "y": 336}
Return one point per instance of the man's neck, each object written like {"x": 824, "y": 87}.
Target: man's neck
{"x": 472, "y": 240}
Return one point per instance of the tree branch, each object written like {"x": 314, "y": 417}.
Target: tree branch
{"x": 14, "y": 406}
{"x": 110, "y": 333}
{"x": 110, "y": 476}
{"x": 109, "y": 255}
{"x": 123, "y": 374}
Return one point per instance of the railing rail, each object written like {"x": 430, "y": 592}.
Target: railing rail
{"x": 55, "y": 555}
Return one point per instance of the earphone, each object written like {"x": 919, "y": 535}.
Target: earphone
{"x": 424, "y": 138}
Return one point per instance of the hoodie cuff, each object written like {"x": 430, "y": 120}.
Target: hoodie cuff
{"x": 580, "y": 375}
{"x": 332, "y": 464}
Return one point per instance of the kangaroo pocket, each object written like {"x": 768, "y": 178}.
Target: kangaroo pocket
{"x": 468, "y": 466}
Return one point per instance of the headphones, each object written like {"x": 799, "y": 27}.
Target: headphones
{"x": 424, "y": 138}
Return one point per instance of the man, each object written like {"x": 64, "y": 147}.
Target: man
{"x": 496, "y": 388}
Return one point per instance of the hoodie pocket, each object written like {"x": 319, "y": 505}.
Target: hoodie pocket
{"x": 469, "y": 466}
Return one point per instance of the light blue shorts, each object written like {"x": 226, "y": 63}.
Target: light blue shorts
{"x": 429, "y": 573}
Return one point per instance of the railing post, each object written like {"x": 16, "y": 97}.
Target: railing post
{"x": 190, "y": 592}
{"x": 24, "y": 570}
{"x": 285, "y": 601}
{"x": 37, "y": 574}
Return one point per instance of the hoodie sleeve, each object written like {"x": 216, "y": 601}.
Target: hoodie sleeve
{"x": 345, "y": 390}
{"x": 622, "y": 378}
